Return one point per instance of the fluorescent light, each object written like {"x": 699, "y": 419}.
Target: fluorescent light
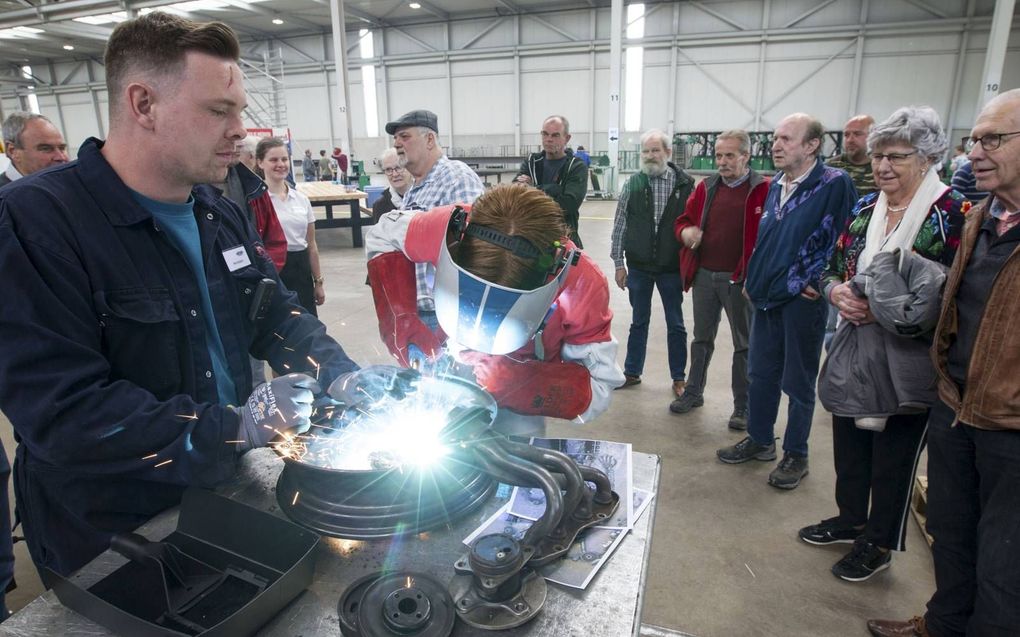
{"x": 19, "y": 32}
{"x": 277, "y": 21}
{"x": 68, "y": 47}
{"x": 414, "y": 5}
{"x": 104, "y": 18}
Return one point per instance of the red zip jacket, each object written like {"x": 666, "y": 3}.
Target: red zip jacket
{"x": 693, "y": 216}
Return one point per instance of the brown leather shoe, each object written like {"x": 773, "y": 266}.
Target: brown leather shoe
{"x": 893, "y": 628}
{"x": 678, "y": 387}
{"x": 629, "y": 381}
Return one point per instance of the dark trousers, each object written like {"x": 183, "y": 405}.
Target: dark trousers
{"x": 639, "y": 286}
{"x": 712, "y": 293}
{"x": 297, "y": 276}
{"x": 974, "y": 516}
{"x": 786, "y": 344}
{"x": 6, "y": 535}
{"x": 879, "y": 465}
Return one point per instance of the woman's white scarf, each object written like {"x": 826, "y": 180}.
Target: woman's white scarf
{"x": 905, "y": 232}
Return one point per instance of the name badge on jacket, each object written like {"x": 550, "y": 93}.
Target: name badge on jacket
{"x": 236, "y": 258}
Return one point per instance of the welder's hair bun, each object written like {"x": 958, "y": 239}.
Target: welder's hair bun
{"x": 516, "y": 210}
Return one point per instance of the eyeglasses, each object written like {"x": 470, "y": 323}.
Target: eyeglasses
{"x": 392, "y": 171}
{"x": 895, "y": 159}
{"x": 991, "y": 141}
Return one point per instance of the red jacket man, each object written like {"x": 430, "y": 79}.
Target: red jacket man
{"x": 717, "y": 232}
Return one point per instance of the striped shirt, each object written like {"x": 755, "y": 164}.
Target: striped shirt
{"x": 449, "y": 182}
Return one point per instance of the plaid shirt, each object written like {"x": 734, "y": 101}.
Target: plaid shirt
{"x": 448, "y": 182}
{"x": 662, "y": 188}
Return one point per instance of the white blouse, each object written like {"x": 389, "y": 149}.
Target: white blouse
{"x": 294, "y": 213}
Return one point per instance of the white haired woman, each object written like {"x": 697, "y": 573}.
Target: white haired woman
{"x": 400, "y": 182}
{"x": 914, "y": 211}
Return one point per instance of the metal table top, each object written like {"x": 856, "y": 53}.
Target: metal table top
{"x": 610, "y": 607}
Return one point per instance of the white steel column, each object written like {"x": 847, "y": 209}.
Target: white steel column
{"x": 517, "y": 84}
{"x": 954, "y": 96}
{"x": 855, "y": 81}
{"x": 592, "y": 31}
{"x": 449, "y": 85}
{"x": 615, "y": 55}
{"x": 991, "y": 78}
{"x": 336, "y": 14}
{"x": 671, "y": 102}
{"x": 384, "y": 82}
{"x": 762, "y": 46}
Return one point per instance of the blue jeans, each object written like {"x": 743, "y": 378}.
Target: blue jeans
{"x": 786, "y": 345}
{"x": 640, "y": 284}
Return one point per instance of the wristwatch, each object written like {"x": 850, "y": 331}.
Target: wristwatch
{"x": 318, "y": 280}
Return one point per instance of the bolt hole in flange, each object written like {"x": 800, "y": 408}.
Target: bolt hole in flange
{"x": 400, "y": 604}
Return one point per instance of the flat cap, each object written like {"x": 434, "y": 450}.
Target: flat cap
{"x": 427, "y": 119}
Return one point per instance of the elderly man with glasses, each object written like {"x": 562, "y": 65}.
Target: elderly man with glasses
{"x": 974, "y": 429}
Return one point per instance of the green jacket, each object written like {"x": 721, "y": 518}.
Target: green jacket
{"x": 648, "y": 246}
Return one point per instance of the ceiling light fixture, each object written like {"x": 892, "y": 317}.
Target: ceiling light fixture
{"x": 277, "y": 21}
{"x": 414, "y": 5}
{"x": 68, "y": 47}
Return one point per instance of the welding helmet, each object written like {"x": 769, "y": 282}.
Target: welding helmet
{"x": 488, "y": 317}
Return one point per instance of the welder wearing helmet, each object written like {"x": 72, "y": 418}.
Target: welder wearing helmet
{"x": 516, "y": 300}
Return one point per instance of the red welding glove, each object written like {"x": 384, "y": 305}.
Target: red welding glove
{"x": 537, "y": 388}
{"x": 391, "y": 276}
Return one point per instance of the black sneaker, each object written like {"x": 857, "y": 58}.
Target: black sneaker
{"x": 789, "y": 472}
{"x": 829, "y": 531}
{"x": 747, "y": 449}
{"x": 685, "y": 403}
{"x": 864, "y": 560}
{"x": 738, "y": 419}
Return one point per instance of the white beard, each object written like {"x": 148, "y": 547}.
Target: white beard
{"x": 653, "y": 169}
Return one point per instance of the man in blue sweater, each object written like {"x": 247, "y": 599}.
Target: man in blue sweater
{"x": 805, "y": 209}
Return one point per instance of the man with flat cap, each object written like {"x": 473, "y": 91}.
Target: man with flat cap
{"x": 438, "y": 181}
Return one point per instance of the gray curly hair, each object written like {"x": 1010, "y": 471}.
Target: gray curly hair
{"x": 918, "y": 126}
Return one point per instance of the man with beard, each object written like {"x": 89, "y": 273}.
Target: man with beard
{"x": 805, "y": 210}
{"x": 646, "y": 254}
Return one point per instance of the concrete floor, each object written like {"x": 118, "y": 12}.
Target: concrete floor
{"x": 725, "y": 558}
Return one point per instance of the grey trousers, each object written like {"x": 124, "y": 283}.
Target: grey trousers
{"x": 712, "y": 293}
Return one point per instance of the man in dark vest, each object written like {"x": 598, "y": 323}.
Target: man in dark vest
{"x": 646, "y": 254}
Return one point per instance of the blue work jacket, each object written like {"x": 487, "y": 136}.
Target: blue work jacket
{"x": 104, "y": 369}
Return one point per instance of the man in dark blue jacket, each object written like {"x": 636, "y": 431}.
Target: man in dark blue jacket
{"x": 131, "y": 305}
{"x": 805, "y": 210}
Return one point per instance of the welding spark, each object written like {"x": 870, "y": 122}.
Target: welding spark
{"x": 286, "y": 366}
{"x": 294, "y": 501}
{"x": 233, "y": 442}
{"x": 150, "y": 456}
{"x": 289, "y": 349}
{"x": 312, "y": 361}
{"x": 164, "y": 463}
{"x": 277, "y": 335}
{"x": 750, "y": 571}
{"x": 409, "y": 581}
{"x": 295, "y": 313}
{"x": 188, "y": 416}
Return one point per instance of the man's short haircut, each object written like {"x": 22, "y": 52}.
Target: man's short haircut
{"x": 519, "y": 211}
{"x": 813, "y": 129}
{"x": 155, "y": 45}
{"x": 659, "y": 135}
{"x": 563, "y": 120}
{"x": 740, "y": 135}
{"x": 862, "y": 117}
{"x": 917, "y": 126}
{"x": 15, "y": 125}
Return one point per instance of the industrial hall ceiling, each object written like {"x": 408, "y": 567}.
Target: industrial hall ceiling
{"x": 34, "y": 31}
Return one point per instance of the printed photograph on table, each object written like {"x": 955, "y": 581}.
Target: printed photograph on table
{"x": 612, "y": 458}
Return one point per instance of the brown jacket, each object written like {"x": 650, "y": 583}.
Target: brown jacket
{"x": 991, "y": 399}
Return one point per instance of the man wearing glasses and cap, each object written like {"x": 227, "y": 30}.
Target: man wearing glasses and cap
{"x": 974, "y": 427}
{"x": 438, "y": 181}
{"x": 526, "y": 313}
